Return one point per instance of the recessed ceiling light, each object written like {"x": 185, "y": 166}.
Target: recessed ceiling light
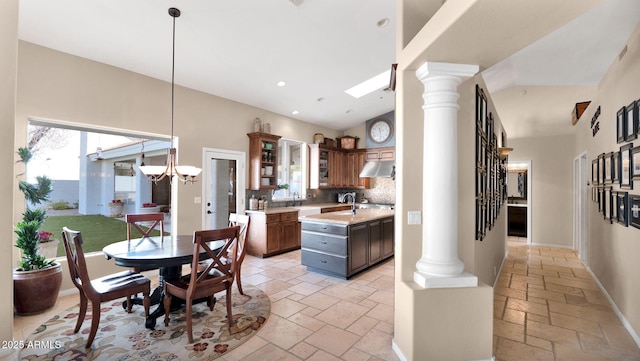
{"x": 368, "y": 86}
{"x": 321, "y": 99}
{"x": 383, "y": 22}
{"x": 295, "y": 112}
{"x": 349, "y": 111}
{"x": 281, "y": 83}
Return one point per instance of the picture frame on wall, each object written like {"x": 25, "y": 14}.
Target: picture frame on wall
{"x": 626, "y": 180}
{"x": 595, "y": 179}
{"x": 635, "y": 163}
{"x": 634, "y": 210}
{"x": 600, "y": 199}
{"x": 608, "y": 168}
{"x": 621, "y": 124}
{"x": 615, "y": 163}
{"x": 606, "y": 203}
{"x": 613, "y": 210}
{"x": 622, "y": 211}
{"x": 631, "y": 121}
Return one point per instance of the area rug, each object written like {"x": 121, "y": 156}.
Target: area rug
{"x": 122, "y": 335}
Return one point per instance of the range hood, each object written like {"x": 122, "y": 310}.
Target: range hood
{"x": 379, "y": 169}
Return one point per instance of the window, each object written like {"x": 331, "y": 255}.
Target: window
{"x": 292, "y": 169}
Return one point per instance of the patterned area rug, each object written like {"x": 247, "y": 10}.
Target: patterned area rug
{"x": 122, "y": 335}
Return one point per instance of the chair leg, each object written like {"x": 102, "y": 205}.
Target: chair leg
{"x": 167, "y": 306}
{"x": 229, "y": 302}
{"x": 95, "y": 321}
{"x": 128, "y": 304}
{"x": 146, "y": 301}
{"x": 239, "y": 281}
{"x": 82, "y": 312}
{"x": 188, "y": 312}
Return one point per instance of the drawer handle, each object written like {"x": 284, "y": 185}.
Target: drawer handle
{"x": 323, "y": 261}
{"x": 323, "y": 227}
{"x": 323, "y": 242}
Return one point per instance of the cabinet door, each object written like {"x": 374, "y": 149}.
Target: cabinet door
{"x": 273, "y": 237}
{"x": 375, "y": 241}
{"x": 360, "y": 159}
{"x": 358, "y": 248}
{"x": 351, "y": 177}
{"x": 290, "y": 235}
{"x": 387, "y": 237}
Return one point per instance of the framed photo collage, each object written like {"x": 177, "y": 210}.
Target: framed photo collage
{"x": 619, "y": 169}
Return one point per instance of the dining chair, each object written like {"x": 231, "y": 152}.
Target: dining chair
{"x": 138, "y": 221}
{"x": 206, "y": 284}
{"x": 241, "y": 220}
{"x": 111, "y": 287}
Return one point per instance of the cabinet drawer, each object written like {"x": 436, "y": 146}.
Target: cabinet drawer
{"x": 325, "y": 228}
{"x": 289, "y": 216}
{"x": 325, "y": 243}
{"x": 323, "y": 261}
{"x": 274, "y": 217}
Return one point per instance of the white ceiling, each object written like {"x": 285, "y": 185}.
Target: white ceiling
{"x": 236, "y": 49}
{"x": 239, "y": 50}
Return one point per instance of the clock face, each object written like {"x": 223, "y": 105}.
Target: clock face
{"x": 380, "y": 131}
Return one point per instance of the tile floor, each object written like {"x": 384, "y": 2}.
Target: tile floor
{"x": 547, "y": 307}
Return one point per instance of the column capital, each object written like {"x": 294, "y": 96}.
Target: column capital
{"x": 431, "y": 69}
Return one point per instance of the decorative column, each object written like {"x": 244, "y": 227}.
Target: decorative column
{"x": 440, "y": 265}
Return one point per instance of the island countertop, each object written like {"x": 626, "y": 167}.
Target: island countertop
{"x": 347, "y": 217}
{"x": 301, "y": 208}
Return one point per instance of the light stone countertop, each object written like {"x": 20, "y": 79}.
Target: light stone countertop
{"x": 347, "y": 218}
{"x": 297, "y": 208}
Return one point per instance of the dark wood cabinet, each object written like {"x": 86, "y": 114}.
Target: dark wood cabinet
{"x": 263, "y": 160}
{"x": 358, "y": 248}
{"x": 273, "y": 233}
{"x": 388, "y": 229}
{"x": 331, "y": 167}
{"x": 517, "y": 221}
{"x": 375, "y": 241}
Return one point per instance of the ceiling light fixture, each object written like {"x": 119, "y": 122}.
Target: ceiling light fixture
{"x": 185, "y": 173}
{"x": 295, "y": 112}
{"x": 383, "y": 22}
{"x": 369, "y": 86}
{"x": 281, "y": 83}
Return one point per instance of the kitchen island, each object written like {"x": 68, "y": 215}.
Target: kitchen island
{"x": 343, "y": 244}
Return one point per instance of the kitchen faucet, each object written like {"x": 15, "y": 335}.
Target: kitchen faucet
{"x": 294, "y": 198}
{"x": 353, "y": 202}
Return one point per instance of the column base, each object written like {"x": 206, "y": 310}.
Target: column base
{"x": 464, "y": 279}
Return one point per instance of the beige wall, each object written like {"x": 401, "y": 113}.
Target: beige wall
{"x": 551, "y": 187}
{"x": 613, "y": 249}
{"x": 59, "y": 86}
{"x": 8, "y": 64}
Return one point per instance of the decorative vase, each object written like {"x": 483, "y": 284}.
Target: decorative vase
{"x": 116, "y": 209}
{"x": 37, "y": 290}
{"x": 257, "y": 125}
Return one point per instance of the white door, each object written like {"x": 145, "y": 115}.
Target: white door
{"x": 224, "y": 186}
{"x": 580, "y": 205}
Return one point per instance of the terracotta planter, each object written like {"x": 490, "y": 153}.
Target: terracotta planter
{"x": 36, "y": 291}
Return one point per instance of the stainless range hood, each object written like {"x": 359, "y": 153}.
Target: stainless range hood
{"x": 378, "y": 169}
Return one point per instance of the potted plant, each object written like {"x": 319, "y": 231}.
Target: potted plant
{"x": 36, "y": 280}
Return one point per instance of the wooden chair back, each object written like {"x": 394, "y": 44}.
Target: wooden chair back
{"x": 224, "y": 259}
{"x": 134, "y": 220}
{"x": 241, "y": 220}
{"x": 77, "y": 263}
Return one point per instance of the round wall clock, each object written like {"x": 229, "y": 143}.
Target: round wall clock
{"x": 380, "y": 130}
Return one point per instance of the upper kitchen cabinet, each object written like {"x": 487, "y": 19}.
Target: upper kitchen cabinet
{"x": 331, "y": 167}
{"x": 263, "y": 160}
{"x": 384, "y": 153}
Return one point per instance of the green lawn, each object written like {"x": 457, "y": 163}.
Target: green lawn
{"x": 97, "y": 231}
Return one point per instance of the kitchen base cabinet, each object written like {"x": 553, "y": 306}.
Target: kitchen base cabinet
{"x": 344, "y": 250}
{"x": 272, "y": 233}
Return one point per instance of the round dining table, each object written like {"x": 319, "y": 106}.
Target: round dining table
{"x": 167, "y": 253}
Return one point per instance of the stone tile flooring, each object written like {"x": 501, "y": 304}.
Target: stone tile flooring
{"x": 547, "y": 307}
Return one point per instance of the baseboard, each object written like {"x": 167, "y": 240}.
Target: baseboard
{"x": 401, "y": 356}
{"x": 617, "y": 311}
{"x": 495, "y": 282}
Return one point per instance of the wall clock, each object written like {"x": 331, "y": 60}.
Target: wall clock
{"x": 380, "y": 131}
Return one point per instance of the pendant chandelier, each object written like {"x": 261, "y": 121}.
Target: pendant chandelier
{"x": 184, "y": 173}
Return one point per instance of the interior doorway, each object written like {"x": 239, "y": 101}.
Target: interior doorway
{"x": 580, "y": 206}
{"x": 519, "y": 201}
{"x": 224, "y": 185}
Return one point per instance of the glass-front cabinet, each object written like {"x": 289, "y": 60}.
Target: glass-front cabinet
{"x": 263, "y": 160}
